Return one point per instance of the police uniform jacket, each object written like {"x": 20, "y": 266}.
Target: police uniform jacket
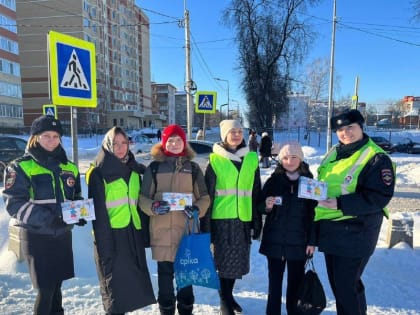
{"x": 33, "y": 199}
{"x": 357, "y": 236}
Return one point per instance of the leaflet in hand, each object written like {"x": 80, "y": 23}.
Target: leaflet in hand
{"x": 310, "y": 188}
{"x": 177, "y": 201}
{"x": 78, "y": 209}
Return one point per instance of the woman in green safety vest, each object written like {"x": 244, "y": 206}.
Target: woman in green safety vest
{"x": 114, "y": 184}
{"x": 35, "y": 186}
{"x": 361, "y": 179}
{"x": 233, "y": 181}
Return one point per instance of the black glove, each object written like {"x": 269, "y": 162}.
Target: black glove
{"x": 81, "y": 222}
{"x": 160, "y": 207}
{"x": 191, "y": 211}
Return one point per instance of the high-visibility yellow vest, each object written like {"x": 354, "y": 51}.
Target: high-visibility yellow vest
{"x": 233, "y": 194}
{"x": 342, "y": 177}
{"x": 32, "y": 168}
{"x": 121, "y": 201}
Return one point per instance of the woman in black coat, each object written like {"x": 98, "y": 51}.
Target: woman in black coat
{"x": 231, "y": 234}
{"x": 35, "y": 186}
{"x": 289, "y": 232}
{"x": 120, "y": 258}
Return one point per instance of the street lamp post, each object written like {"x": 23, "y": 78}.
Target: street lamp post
{"x": 227, "y": 82}
{"x": 221, "y": 113}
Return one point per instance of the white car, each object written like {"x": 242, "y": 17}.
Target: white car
{"x": 140, "y": 143}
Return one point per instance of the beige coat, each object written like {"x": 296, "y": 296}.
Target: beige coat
{"x": 173, "y": 175}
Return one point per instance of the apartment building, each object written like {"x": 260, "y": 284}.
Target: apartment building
{"x": 164, "y": 102}
{"x": 120, "y": 32}
{"x": 11, "y": 113}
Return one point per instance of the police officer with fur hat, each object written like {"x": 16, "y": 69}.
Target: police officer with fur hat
{"x": 35, "y": 186}
{"x": 361, "y": 180}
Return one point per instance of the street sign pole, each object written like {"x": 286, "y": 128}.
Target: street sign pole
{"x": 73, "y": 111}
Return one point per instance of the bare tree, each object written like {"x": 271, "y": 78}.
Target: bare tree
{"x": 416, "y": 9}
{"x": 272, "y": 37}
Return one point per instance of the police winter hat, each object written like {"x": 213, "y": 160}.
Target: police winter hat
{"x": 227, "y": 125}
{"x": 346, "y": 118}
{"x": 46, "y": 123}
{"x": 291, "y": 148}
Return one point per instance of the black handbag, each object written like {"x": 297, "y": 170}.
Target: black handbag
{"x": 311, "y": 298}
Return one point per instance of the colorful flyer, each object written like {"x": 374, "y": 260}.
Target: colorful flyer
{"x": 310, "y": 188}
{"x": 177, "y": 201}
{"x": 78, "y": 209}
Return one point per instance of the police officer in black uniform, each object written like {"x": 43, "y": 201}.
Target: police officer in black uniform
{"x": 35, "y": 186}
{"x": 361, "y": 180}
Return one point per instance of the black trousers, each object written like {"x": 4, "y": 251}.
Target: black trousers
{"x": 344, "y": 275}
{"x": 166, "y": 295}
{"x": 49, "y": 301}
{"x": 295, "y": 273}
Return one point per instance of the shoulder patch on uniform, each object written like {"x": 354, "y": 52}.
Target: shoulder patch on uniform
{"x": 387, "y": 176}
{"x": 10, "y": 180}
{"x": 71, "y": 181}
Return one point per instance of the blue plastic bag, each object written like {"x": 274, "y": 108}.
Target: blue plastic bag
{"x": 194, "y": 264}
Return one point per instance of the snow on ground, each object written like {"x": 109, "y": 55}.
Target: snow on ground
{"x": 392, "y": 277}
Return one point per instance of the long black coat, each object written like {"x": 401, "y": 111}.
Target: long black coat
{"x": 120, "y": 258}
{"x": 288, "y": 227}
{"x": 265, "y": 147}
{"x": 232, "y": 237}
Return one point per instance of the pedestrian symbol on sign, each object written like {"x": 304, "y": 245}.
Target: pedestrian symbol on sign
{"x": 50, "y": 112}
{"x": 205, "y": 103}
{"x": 74, "y": 77}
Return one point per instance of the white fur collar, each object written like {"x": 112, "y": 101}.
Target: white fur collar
{"x": 220, "y": 150}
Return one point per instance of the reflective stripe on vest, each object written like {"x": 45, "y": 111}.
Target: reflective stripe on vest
{"x": 233, "y": 194}
{"x": 32, "y": 168}
{"x": 342, "y": 177}
{"x": 121, "y": 202}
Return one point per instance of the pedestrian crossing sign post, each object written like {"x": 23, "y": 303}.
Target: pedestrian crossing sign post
{"x": 354, "y": 100}
{"x": 205, "y": 102}
{"x": 72, "y": 70}
{"x": 50, "y": 110}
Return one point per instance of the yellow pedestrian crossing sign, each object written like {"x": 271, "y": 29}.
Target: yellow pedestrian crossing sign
{"x": 50, "y": 110}
{"x": 205, "y": 102}
{"x": 72, "y": 70}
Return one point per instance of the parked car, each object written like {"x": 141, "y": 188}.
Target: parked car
{"x": 140, "y": 143}
{"x": 407, "y": 146}
{"x": 201, "y": 146}
{"x": 203, "y": 149}
{"x": 10, "y": 149}
{"x": 384, "y": 123}
{"x": 383, "y": 143}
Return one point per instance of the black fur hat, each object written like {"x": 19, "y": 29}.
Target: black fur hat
{"x": 46, "y": 123}
{"x": 348, "y": 117}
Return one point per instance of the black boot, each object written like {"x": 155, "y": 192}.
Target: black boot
{"x": 236, "y": 307}
{"x": 226, "y": 298}
{"x": 185, "y": 309}
{"x": 167, "y": 310}
{"x": 226, "y": 307}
